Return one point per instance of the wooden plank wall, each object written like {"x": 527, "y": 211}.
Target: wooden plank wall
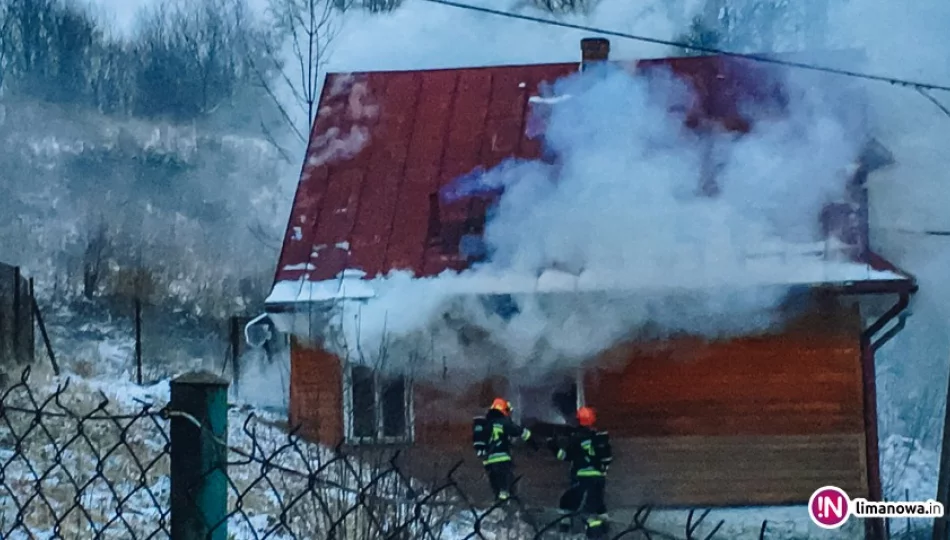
{"x": 804, "y": 382}
{"x": 673, "y": 471}
{"x": 316, "y": 393}
{"x": 746, "y": 422}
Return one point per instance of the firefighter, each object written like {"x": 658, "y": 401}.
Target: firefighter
{"x": 491, "y": 439}
{"x": 588, "y": 450}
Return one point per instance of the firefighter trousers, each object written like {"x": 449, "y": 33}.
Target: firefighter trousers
{"x": 586, "y": 495}
{"x": 500, "y": 478}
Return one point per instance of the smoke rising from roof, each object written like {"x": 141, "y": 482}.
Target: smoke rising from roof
{"x": 622, "y": 208}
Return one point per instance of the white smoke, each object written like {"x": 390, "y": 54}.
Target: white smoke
{"x": 622, "y": 209}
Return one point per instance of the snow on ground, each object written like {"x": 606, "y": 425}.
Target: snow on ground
{"x": 122, "y": 462}
{"x": 909, "y": 471}
{"x": 782, "y": 523}
{"x": 96, "y": 341}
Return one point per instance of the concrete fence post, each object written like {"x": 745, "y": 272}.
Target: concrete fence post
{"x": 199, "y": 492}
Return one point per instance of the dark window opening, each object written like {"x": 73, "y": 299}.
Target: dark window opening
{"x": 550, "y": 403}
{"x": 379, "y": 405}
{"x": 564, "y": 400}
{"x": 394, "y": 407}
{"x": 364, "y": 402}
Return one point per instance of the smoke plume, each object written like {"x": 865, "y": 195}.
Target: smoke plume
{"x": 620, "y": 214}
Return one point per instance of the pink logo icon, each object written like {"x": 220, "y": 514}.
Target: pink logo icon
{"x": 829, "y": 507}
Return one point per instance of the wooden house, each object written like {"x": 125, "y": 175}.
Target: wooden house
{"x": 761, "y": 420}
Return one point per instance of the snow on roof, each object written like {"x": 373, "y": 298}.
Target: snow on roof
{"x": 548, "y": 100}
{"x": 760, "y": 273}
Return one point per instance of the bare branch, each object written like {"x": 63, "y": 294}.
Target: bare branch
{"x": 284, "y": 155}
{"x": 257, "y": 231}
{"x": 307, "y": 29}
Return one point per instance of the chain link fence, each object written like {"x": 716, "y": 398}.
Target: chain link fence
{"x": 16, "y": 318}
{"x": 74, "y": 464}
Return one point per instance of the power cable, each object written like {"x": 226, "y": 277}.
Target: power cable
{"x": 943, "y": 108}
{"x": 916, "y": 232}
{"x": 711, "y": 50}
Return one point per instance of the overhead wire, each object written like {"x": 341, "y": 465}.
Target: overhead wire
{"x": 711, "y": 50}
{"x": 943, "y": 108}
{"x": 920, "y": 87}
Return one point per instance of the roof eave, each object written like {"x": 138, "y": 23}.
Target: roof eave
{"x": 876, "y": 261}
{"x": 868, "y": 287}
{"x": 860, "y": 287}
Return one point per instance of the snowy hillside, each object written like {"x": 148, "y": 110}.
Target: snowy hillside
{"x": 176, "y": 200}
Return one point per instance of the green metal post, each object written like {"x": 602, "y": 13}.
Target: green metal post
{"x": 199, "y": 492}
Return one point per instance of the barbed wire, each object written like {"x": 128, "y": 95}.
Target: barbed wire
{"x": 71, "y": 467}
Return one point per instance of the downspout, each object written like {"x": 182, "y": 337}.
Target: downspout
{"x": 894, "y": 330}
{"x": 896, "y": 310}
{"x": 876, "y": 528}
{"x": 252, "y": 322}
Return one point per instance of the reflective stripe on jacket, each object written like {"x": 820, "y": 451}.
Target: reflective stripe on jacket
{"x": 503, "y": 429}
{"x": 588, "y": 451}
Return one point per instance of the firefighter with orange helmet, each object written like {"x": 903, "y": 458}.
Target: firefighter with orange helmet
{"x": 588, "y": 450}
{"x": 491, "y": 437}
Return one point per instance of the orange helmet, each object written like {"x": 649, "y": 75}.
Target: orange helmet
{"x": 586, "y": 416}
{"x": 501, "y": 404}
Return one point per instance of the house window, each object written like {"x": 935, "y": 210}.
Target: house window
{"x": 551, "y": 402}
{"x": 379, "y": 406}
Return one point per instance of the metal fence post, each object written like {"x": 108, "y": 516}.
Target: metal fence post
{"x": 199, "y": 493}
{"x": 17, "y": 319}
{"x": 138, "y": 341}
{"x": 235, "y": 354}
{"x": 32, "y": 339}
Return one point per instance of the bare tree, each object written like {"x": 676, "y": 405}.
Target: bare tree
{"x": 308, "y": 27}
{"x": 47, "y": 46}
{"x": 194, "y": 56}
{"x": 758, "y": 26}
{"x": 6, "y": 42}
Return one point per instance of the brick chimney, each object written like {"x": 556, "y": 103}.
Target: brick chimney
{"x": 594, "y": 50}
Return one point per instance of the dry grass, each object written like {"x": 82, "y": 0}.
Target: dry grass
{"x": 80, "y": 470}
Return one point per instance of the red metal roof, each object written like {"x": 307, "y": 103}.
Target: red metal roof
{"x": 371, "y": 210}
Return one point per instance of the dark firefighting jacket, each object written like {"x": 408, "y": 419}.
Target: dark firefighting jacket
{"x": 588, "y": 451}
{"x": 492, "y": 434}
